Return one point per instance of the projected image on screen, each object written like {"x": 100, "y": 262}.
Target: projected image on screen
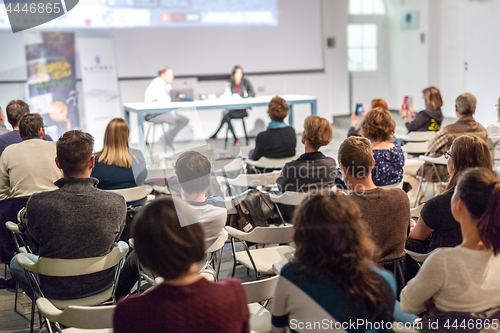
{"x": 161, "y": 13}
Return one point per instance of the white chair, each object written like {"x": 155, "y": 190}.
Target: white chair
{"x": 217, "y": 246}
{"x": 224, "y": 166}
{"x": 289, "y": 198}
{"x": 259, "y": 291}
{"x": 416, "y": 147}
{"x": 419, "y": 257}
{"x": 250, "y": 180}
{"x": 271, "y": 163}
{"x": 434, "y": 161}
{"x": 417, "y": 136}
{"x": 73, "y": 267}
{"x": 134, "y": 193}
{"x": 235, "y": 151}
{"x": 91, "y": 319}
{"x": 262, "y": 260}
{"x": 160, "y": 173}
{"x": 415, "y": 212}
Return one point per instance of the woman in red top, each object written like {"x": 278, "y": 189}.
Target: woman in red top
{"x": 170, "y": 246}
{"x": 241, "y": 86}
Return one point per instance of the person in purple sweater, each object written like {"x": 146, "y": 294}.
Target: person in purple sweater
{"x": 168, "y": 245}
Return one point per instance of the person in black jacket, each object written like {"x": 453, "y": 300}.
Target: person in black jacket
{"x": 429, "y": 119}
{"x": 313, "y": 169}
{"x": 279, "y": 140}
{"x": 242, "y": 86}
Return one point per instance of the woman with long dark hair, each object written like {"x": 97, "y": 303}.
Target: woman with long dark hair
{"x": 239, "y": 85}
{"x": 436, "y": 219}
{"x": 332, "y": 275}
{"x": 465, "y": 278}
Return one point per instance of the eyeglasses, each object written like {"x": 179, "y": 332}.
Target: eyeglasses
{"x": 447, "y": 154}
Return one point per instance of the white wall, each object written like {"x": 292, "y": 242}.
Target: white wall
{"x": 331, "y": 86}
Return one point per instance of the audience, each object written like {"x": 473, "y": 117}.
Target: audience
{"x": 465, "y": 278}
{"x": 378, "y": 127}
{"x": 386, "y": 212}
{"x": 3, "y": 128}
{"x": 117, "y": 166}
{"x": 465, "y": 107}
{"x": 28, "y": 167}
{"x": 331, "y": 276}
{"x": 376, "y": 103}
{"x": 429, "y": 119}
{"x": 436, "y": 218}
{"x": 279, "y": 140}
{"x": 312, "y": 169}
{"x": 75, "y": 221}
{"x": 184, "y": 301}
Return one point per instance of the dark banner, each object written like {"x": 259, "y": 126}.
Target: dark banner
{"x": 50, "y": 61}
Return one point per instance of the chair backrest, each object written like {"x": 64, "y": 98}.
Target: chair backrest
{"x": 74, "y": 267}
{"x": 415, "y": 212}
{"x": 289, "y": 198}
{"x": 219, "y": 242}
{"x": 252, "y": 180}
{"x": 264, "y": 235}
{"x": 441, "y": 160}
{"x": 419, "y": 257}
{"x": 83, "y": 317}
{"x": 18, "y": 239}
{"x": 417, "y": 136}
{"x": 134, "y": 193}
{"x": 272, "y": 163}
{"x": 260, "y": 290}
{"x": 416, "y": 147}
{"x": 160, "y": 173}
{"x": 223, "y": 166}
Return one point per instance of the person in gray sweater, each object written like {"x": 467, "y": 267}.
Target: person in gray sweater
{"x": 75, "y": 221}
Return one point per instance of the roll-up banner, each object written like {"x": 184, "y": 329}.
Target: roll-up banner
{"x": 50, "y": 62}
{"x": 100, "y": 85}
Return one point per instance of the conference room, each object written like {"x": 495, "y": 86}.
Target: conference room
{"x": 249, "y": 166}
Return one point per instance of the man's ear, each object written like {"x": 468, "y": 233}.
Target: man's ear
{"x": 92, "y": 162}
{"x": 304, "y": 137}
{"x": 373, "y": 162}
{"x": 57, "y": 163}
{"x": 343, "y": 169}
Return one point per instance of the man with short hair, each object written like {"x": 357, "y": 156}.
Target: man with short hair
{"x": 76, "y": 221}
{"x": 3, "y": 128}
{"x": 28, "y": 167}
{"x": 16, "y": 109}
{"x": 193, "y": 173}
{"x": 159, "y": 91}
{"x": 386, "y": 212}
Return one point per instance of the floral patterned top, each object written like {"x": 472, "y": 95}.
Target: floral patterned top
{"x": 388, "y": 167}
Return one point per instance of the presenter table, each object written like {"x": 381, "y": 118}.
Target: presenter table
{"x": 210, "y": 104}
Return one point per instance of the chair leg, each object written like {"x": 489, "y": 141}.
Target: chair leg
{"x": 420, "y": 185}
{"x": 218, "y": 264}
{"x": 32, "y": 322}
{"x": 148, "y": 144}
{"x": 251, "y": 260}
{"x": 165, "y": 136}
{"x": 227, "y": 134}
{"x": 234, "y": 257}
{"x": 245, "y": 130}
{"x": 154, "y": 137}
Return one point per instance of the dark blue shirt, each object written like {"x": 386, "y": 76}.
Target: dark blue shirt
{"x": 388, "y": 167}
{"x": 13, "y": 137}
{"x": 113, "y": 177}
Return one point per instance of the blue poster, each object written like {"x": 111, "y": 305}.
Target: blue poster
{"x": 50, "y": 61}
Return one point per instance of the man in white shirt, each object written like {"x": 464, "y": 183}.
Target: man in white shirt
{"x": 494, "y": 137}
{"x": 29, "y": 166}
{"x": 159, "y": 91}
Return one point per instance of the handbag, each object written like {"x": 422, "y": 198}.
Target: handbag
{"x": 253, "y": 209}
{"x": 435, "y": 321}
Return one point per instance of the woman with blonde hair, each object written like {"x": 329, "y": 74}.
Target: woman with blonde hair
{"x": 429, "y": 119}
{"x": 117, "y": 166}
{"x": 312, "y": 169}
{"x": 378, "y": 127}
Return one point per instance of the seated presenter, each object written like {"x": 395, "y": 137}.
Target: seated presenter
{"x": 159, "y": 91}
{"x": 241, "y": 86}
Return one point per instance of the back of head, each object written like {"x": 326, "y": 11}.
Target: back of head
{"x": 162, "y": 244}
{"x": 379, "y": 103}
{"x": 74, "y": 152}
{"x": 278, "y": 109}
{"x": 378, "y": 125}
{"x": 318, "y": 131}
{"x": 432, "y": 97}
{"x": 162, "y": 70}
{"x": 479, "y": 189}
{"x": 331, "y": 241}
{"x": 15, "y": 110}
{"x": 30, "y": 125}
{"x": 466, "y": 104}
{"x": 193, "y": 171}
{"x": 116, "y": 150}
{"x": 467, "y": 151}
{"x": 356, "y": 155}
